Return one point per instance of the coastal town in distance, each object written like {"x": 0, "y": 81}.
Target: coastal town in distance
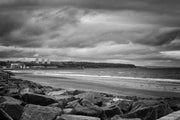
{"x": 43, "y": 63}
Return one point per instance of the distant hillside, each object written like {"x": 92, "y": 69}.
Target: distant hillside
{"x": 69, "y": 64}
{"x": 92, "y": 65}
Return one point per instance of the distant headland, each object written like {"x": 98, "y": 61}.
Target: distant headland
{"x": 62, "y": 64}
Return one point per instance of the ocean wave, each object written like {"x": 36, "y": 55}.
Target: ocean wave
{"x": 71, "y": 74}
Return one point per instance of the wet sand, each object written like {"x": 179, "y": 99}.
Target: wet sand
{"x": 124, "y": 87}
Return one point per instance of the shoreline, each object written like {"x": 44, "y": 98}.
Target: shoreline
{"x": 112, "y": 86}
{"x": 31, "y": 100}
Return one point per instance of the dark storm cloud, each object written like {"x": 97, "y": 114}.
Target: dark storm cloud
{"x": 34, "y": 28}
{"x": 146, "y": 5}
{"x": 132, "y": 30}
{"x": 9, "y": 22}
{"x": 12, "y": 22}
{"x": 15, "y": 53}
{"x": 158, "y": 38}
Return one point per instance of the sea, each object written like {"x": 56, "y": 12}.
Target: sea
{"x": 125, "y": 73}
{"x": 160, "y": 82}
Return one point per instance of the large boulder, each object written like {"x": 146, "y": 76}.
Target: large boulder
{"x": 111, "y": 111}
{"x": 38, "y": 99}
{"x": 66, "y": 98}
{"x": 125, "y": 105}
{"x": 76, "y": 117}
{"x": 11, "y": 106}
{"x": 36, "y": 112}
{"x": 92, "y": 97}
{"x": 93, "y": 111}
{"x": 68, "y": 111}
{"x": 3, "y": 89}
{"x": 149, "y": 112}
{"x": 174, "y": 103}
{"x": 117, "y": 117}
{"x": 60, "y": 104}
{"x": 74, "y": 92}
{"x": 4, "y": 115}
{"x": 57, "y": 93}
{"x": 73, "y": 104}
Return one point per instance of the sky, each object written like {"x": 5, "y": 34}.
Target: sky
{"x": 140, "y": 32}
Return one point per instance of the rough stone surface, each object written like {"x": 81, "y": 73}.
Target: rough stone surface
{"x": 117, "y": 117}
{"x": 68, "y": 111}
{"x": 36, "y": 112}
{"x": 74, "y": 92}
{"x": 57, "y": 93}
{"x": 38, "y": 99}
{"x": 94, "y": 111}
{"x": 7, "y": 99}
{"x": 73, "y": 104}
{"x": 4, "y": 115}
{"x": 150, "y": 112}
{"x": 60, "y": 104}
{"x": 92, "y": 97}
{"x": 111, "y": 111}
{"x": 83, "y": 105}
{"x": 172, "y": 116}
{"x": 3, "y": 89}
{"x": 125, "y": 105}
{"x": 77, "y": 117}
{"x": 66, "y": 98}
{"x": 12, "y": 107}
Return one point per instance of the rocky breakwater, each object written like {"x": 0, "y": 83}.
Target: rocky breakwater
{"x": 25, "y": 100}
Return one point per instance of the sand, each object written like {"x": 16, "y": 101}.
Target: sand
{"x": 124, "y": 87}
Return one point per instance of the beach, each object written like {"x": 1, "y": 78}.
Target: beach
{"x": 72, "y": 95}
{"x": 131, "y": 86}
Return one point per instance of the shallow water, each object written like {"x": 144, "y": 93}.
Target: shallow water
{"x": 125, "y": 73}
{"x": 121, "y": 81}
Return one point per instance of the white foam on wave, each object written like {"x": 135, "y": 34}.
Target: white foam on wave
{"x": 71, "y": 74}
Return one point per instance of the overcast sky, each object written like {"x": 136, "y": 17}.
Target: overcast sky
{"x": 141, "y": 32}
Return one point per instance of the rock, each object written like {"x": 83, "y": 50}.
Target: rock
{"x": 125, "y": 105}
{"x": 94, "y": 111}
{"x": 3, "y": 89}
{"x": 48, "y": 89}
{"x": 68, "y": 111}
{"x": 7, "y": 99}
{"x": 60, "y": 104}
{"x": 4, "y": 76}
{"x": 117, "y": 117}
{"x": 74, "y": 92}
{"x": 73, "y": 104}
{"x": 111, "y": 111}
{"x": 116, "y": 99}
{"x": 149, "y": 112}
{"x": 86, "y": 102}
{"x": 66, "y": 98}
{"x": 57, "y": 93}
{"x": 76, "y": 117}
{"x": 162, "y": 109}
{"x": 174, "y": 104}
{"x": 36, "y": 112}
{"x": 38, "y": 99}
{"x": 12, "y": 107}
{"x": 92, "y": 97}
{"x": 13, "y": 91}
{"x": 26, "y": 90}
{"x": 4, "y": 115}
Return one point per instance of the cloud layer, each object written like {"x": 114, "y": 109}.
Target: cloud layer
{"x": 133, "y": 31}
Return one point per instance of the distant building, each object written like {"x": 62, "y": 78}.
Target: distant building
{"x": 42, "y": 61}
{"x": 17, "y": 66}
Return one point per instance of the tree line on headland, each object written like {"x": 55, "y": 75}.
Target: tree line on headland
{"x": 67, "y": 64}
